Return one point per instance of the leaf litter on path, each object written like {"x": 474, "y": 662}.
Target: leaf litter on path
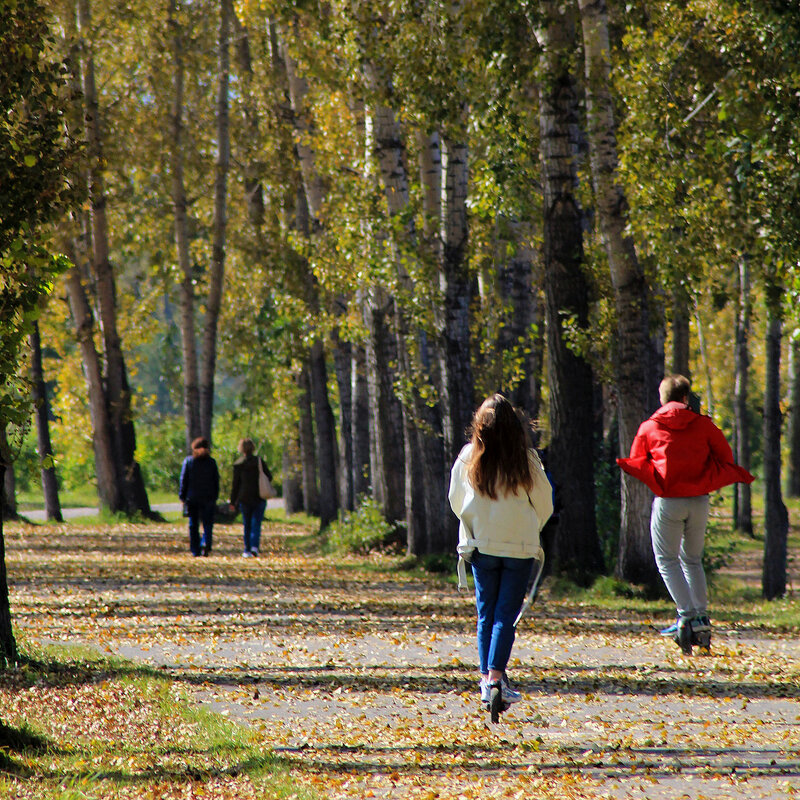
{"x": 364, "y": 678}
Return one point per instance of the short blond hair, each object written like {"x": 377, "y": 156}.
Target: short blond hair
{"x": 674, "y": 388}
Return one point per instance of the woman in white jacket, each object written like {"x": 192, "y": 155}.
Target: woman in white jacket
{"x": 501, "y": 495}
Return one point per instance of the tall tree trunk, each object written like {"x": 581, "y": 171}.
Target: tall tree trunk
{"x": 9, "y": 485}
{"x": 776, "y": 517}
{"x": 326, "y": 436}
{"x": 636, "y": 562}
{"x": 343, "y": 363}
{"x": 360, "y": 423}
{"x": 117, "y": 388}
{"x": 308, "y": 213}
{"x": 793, "y": 472}
{"x": 308, "y": 449}
{"x": 217, "y": 272}
{"x": 8, "y": 645}
{"x": 254, "y": 192}
{"x": 292, "y": 478}
{"x": 52, "y": 506}
{"x": 457, "y": 396}
{"x": 680, "y": 331}
{"x": 191, "y": 380}
{"x": 525, "y": 325}
{"x": 570, "y": 459}
{"x": 385, "y": 414}
{"x": 743, "y": 509}
{"x": 108, "y": 485}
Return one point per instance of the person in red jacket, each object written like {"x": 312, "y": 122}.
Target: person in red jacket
{"x": 682, "y": 456}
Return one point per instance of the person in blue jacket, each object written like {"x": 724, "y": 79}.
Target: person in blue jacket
{"x": 199, "y": 489}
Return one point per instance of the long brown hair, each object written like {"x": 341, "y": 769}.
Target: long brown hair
{"x": 500, "y": 442}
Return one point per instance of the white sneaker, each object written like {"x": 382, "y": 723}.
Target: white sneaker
{"x": 509, "y": 695}
{"x": 254, "y": 552}
{"x": 247, "y": 554}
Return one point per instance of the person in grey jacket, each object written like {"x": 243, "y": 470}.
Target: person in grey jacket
{"x": 199, "y": 489}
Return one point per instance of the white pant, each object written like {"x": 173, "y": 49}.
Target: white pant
{"x": 678, "y": 531}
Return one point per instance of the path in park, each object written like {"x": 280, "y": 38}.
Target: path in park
{"x": 364, "y": 682}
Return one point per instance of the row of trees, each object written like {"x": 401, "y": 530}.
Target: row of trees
{"x": 372, "y": 215}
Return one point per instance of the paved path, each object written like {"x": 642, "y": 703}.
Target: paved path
{"x": 364, "y": 681}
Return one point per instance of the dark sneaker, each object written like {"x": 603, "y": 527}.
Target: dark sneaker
{"x": 496, "y": 705}
{"x": 683, "y": 636}
{"x": 701, "y": 631}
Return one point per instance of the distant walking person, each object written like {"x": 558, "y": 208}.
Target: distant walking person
{"x": 199, "y": 489}
{"x": 246, "y": 497}
{"x": 682, "y": 456}
{"x": 501, "y": 495}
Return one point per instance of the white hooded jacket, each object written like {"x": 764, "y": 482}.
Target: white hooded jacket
{"x": 508, "y": 526}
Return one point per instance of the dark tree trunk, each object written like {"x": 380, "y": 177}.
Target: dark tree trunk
{"x": 325, "y": 436}
{"x": 776, "y": 517}
{"x": 217, "y": 273}
{"x": 108, "y": 484}
{"x": 524, "y": 327}
{"x": 360, "y": 424}
{"x": 191, "y": 373}
{"x": 8, "y": 645}
{"x": 343, "y": 362}
{"x": 386, "y": 422}
{"x": 52, "y": 505}
{"x": 634, "y": 356}
{"x": 458, "y": 402}
{"x": 118, "y": 391}
{"x": 793, "y": 473}
{"x": 680, "y": 331}
{"x": 292, "y": 477}
{"x": 570, "y": 454}
{"x": 743, "y": 509}
{"x": 9, "y": 485}
{"x": 308, "y": 454}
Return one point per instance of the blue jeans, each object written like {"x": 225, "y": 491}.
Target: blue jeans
{"x": 200, "y": 513}
{"x": 251, "y": 520}
{"x": 500, "y": 585}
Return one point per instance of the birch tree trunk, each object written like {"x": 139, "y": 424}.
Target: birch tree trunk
{"x": 636, "y": 562}
{"x": 457, "y": 386}
{"x": 191, "y": 381}
{"x": 52, "y": 505}
{"x": 776, "y": 517}
{"x": 217, "y": 272}
{"x": 570, "y": 453}
{"x": 118, "y": 392}
{"x": 743, "y": 509}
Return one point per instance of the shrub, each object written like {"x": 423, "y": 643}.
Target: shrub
{"x": 360, "y": 531}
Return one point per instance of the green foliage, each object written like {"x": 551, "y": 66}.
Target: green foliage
{"x": 35, "y": 157}
{"x": 360, "y": 531}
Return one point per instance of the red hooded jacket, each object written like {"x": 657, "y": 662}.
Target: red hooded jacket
{"x": 679, "y": 453}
